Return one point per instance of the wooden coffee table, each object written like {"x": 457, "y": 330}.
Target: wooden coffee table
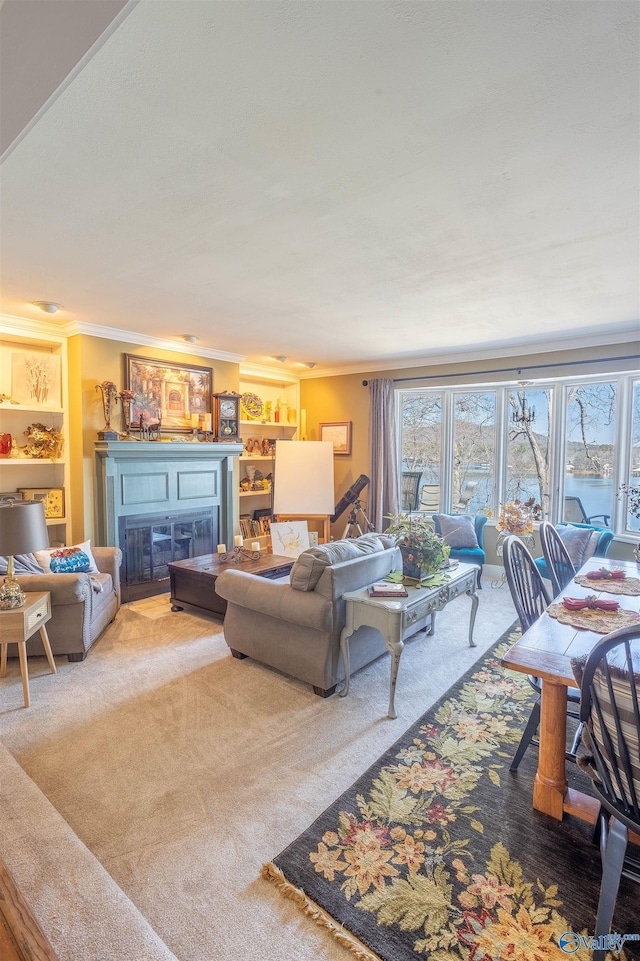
{"x": 193, "y": 580}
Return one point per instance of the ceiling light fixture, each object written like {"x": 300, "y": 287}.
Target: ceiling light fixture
{"x": 47, "y": 306}
{"x": 310, "y": 364}
{"x": 190, "y": 338}
{"x": 281, "y": 359}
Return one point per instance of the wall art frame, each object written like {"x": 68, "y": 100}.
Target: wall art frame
{"x": 52, "y": 499}
{"x": 167, "y": 391}
{"x": 339, "y": 433}
{"x": 36, "y": 379}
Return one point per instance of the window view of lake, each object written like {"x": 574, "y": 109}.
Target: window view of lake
{"x": 454, "y": 440}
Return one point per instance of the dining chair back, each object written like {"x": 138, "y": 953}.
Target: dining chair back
{"x": 466, "y": 495}
{"x": 559, "y": 563}
{"x": 610, "y": 712}
{"x": 410, "y": 490}
{"x": 574, "y": 512}
{"x": 529, "y": 595}
{"x": 530, "y": 599}
{"x": 429, "y": 497}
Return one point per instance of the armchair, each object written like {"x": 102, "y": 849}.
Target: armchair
{"x": 465, "y": 534}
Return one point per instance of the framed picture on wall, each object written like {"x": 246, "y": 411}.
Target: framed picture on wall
{"x": 51, "y": 497}
{"x": 35, "y": 379}
{"x": 339, "y": 434}
{"x": 179, "y": 395}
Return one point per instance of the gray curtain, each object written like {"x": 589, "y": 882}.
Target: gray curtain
{"x": 383, "y": 453}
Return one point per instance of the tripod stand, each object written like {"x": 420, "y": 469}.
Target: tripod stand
{"x": 354, "y": 527}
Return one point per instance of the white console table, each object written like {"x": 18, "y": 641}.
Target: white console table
{"x": 399, "y": 618}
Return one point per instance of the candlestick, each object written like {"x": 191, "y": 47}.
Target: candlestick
{"x": 255, "y": 545}
{"x": 237, "y": 540}
{"x": 207, "y": 422}
{"x": 222, "y": 548}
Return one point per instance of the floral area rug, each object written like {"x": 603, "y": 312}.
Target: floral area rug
{"x": 436, "y": 853}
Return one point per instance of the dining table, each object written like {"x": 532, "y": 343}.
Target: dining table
{"x": 546, "y": 650}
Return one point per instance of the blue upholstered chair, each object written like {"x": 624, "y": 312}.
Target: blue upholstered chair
{"x": 602, "y": 547}
{"x": 453, "y": 528}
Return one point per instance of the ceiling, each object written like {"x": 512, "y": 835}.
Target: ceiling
{"x": 356, "y": 184}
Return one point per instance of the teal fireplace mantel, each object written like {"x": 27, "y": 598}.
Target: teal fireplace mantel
{"x": 145, "y": 477}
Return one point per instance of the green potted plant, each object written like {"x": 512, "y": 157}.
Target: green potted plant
{"x": 423, "y": 551}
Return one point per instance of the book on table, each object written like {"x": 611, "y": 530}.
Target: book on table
{"x": 387, "y": 589}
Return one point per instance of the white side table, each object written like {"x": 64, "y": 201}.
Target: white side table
{"x": 17, "y": 626}
{"x": 398, "y": 618}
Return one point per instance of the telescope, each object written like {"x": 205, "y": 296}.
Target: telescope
{"x": 350, "y": 497}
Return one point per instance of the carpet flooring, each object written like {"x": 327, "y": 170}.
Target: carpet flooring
{"x": 435, "y": 851}
{"x": 184, "y": 770}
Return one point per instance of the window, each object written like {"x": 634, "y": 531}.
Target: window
{"x": 474, "y": 448}
{"x": 632, "y": 523}
{"x": 528, "y": 447}
{"x": 422, "y": 444}
{"x": 589, "y": 453}
{"x": 567, "y": 444}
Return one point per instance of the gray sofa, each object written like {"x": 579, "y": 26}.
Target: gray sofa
{"x": 81, "y": 604}
{"x": 295, "y": 626}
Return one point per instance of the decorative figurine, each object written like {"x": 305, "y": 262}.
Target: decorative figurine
{"x": 126, "y": 399}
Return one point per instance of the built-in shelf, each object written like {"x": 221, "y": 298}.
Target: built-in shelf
{"x": 254, "y": 493}
{"x": 29, "y": 462}
{"x": 20, "y": 345}
{"x": 42, "y": 411}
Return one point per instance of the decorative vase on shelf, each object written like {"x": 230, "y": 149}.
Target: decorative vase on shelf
{"x": 109, "y": 393}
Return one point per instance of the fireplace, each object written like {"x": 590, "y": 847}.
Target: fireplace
{"x": 149, "y": 542}
{"x": 159, "y": 502}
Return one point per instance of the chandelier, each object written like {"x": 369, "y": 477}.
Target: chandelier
{"x": 524, "y": 415}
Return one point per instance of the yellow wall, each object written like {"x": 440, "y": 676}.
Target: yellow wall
{"x": 91, "y": 361}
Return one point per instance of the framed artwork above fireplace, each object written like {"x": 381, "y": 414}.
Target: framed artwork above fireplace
{"x": 179, "y": 395}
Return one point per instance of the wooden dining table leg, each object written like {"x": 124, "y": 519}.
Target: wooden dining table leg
{"x": 550, "y": 785}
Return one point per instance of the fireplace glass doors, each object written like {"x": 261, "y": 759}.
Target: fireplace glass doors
{"x": 150, "y": 542}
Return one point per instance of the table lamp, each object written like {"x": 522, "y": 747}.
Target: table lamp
{"x": 23, "y": 529}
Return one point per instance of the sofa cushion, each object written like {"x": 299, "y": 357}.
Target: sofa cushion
{"x": 22, "y": 564}
{"x": 68, "y": 560}
{"x": 581, "y": 543}
{"x": 459, "y": 530}
{"x": 308, "y": 568}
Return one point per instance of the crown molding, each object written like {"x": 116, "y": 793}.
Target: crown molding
{"x": 278, "y": 375}
{"x": 74, "y": 327}
{"x": 21, "y": 326}
{"x": 526, "y": 345}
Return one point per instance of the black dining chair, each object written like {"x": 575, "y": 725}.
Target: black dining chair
{"x": 559, "y": 565}
{"x": 410, "y": 490}
{"x": 610, "y": 712}
{"x": 530, "y": 599}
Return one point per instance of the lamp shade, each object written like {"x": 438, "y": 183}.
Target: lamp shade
{"x": 303, "y": 477}
{"x": 23, "y": 527}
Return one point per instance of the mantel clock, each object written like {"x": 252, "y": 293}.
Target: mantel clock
{"x": 226, "y": 416}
